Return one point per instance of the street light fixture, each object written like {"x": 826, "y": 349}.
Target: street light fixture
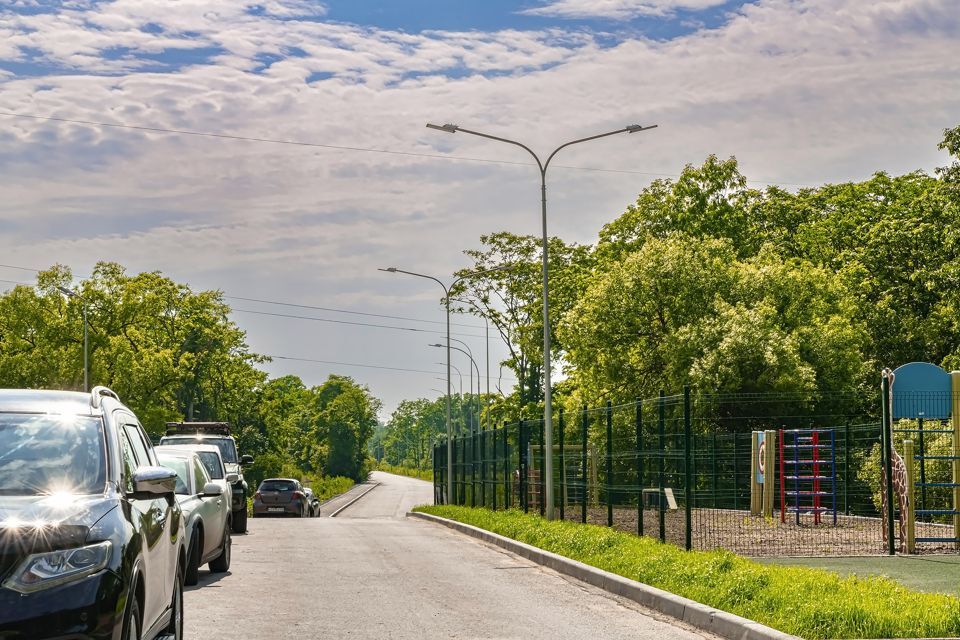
{"x": 547, "y": 390}
{"x": 446, "y": 300}
{"x": 86, "y": 362}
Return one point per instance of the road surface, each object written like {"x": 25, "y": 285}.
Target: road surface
{"x": 371, "y": 573}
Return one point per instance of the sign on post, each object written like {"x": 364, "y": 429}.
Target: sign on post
{"x": 761, "y": 456}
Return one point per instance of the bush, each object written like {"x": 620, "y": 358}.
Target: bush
{"x": 809, "y": 603}
{"x": 422, "y": 474}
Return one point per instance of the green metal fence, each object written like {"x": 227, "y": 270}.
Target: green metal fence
{"x": 678, "y": 468}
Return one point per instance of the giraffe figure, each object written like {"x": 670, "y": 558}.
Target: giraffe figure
{"x": 899, "y": 482}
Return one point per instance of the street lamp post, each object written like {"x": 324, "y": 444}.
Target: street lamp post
{"x": 474, "y": 367}
{"x": 486, "y": 327}
{"x": 547, "y": 390}
{"x": 86, "y": 361}
{"x": 446, "y": 301}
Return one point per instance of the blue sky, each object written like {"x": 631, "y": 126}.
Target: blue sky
{"x": 800, "y": 91}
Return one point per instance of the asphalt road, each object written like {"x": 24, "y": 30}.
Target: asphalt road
{"x": 371, "y": 573}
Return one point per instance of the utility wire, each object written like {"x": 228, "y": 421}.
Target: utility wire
{"x": 352, "y": 364}
{"x": 291, "y": 304}
{"x": 350, "y": 322}
{"x": 300, "y": 143}
{"x": 358, "y": 313}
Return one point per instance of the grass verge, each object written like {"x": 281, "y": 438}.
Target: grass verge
{"x": 810, "y": 603}
{"x": 422, "y": 474}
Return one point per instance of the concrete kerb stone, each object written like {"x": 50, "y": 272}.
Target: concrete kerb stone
{"x": 721, "y": 623}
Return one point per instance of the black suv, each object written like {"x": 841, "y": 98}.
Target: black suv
{"x": 91, "y": 536}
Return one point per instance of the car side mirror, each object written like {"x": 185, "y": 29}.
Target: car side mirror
{"x": 233, "y": 478}
{"x": 150, "y": 483}
{"x": 246, "y": 460}
{"x": 212, "y": 489}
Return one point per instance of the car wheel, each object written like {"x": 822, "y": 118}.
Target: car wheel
{"x": 131, "y": 622}
{"x": 174, "y": 630}
{"x": 192, "y": 575}
{"x": 221, "y": 564}
{"x": 240, "y": 521}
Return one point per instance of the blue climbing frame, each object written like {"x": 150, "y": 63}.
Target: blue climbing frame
{"x": 808, "y": 473}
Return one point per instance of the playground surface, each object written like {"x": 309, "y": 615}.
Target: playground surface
{"x": 934, "y": 574}
{"x": 753, "y": 536}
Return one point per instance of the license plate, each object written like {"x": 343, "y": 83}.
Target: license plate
{"x": 274, "y": 508}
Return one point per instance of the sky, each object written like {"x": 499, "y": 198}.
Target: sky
{"x": 802, "y": 92}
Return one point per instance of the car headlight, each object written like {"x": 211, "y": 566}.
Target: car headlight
{"x": 44, "y": 570}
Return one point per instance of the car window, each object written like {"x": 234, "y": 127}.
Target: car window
{"x": 200, "y": 475}
{"x": 139, "y": 447}
{"x": 179, "y": 465}
{"x": 51, "y": 454}
{"x": 278, "y": 485}
{"x": 212, "y": 463}
{"x": 128, "y": 460}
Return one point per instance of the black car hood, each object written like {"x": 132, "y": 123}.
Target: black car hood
{"x": 38, "y": 523}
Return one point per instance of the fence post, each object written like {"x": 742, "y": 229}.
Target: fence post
{"x": 688, "y": 468}
{"x": 494, "y": 486}
{"x": 661, "y": 481}
{"x": 524, "y": 498}
{"x": 846, "y": 468}
{"x": 473, "y": 469}
{"x": 583, "y": 465}
{"x": 713, "y": 454}
{"x": 609, "y": 483}
{"x": 736, "y": 473}
{"x": 543, "y": 468}
{"x": 955, "y": 420}
{"x": 885, "y": 436}
{"x": 507, "y": 481}
{"x": 563, "y": 468}
{"x": 639, "y": 467}
{"x": 909, "y": 515}
{"x": 769, "y": 472}
{"x": 483, "y": 468}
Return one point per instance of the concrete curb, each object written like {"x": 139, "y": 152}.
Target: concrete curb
{"x": 698, "y": 615}
{"x": 349, "y": 504}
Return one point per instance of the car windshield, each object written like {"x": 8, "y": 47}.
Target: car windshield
{"x": 226, "y": 446}
{"x": 180, "y": 466}
{"x": 212, "y": 462}
{"x": 278, "y": 485}
{"x": 51, "y": 454}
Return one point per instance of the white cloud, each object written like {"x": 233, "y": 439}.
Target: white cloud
{"x": 617, "y": 9}
{"x": 800, "y": 91}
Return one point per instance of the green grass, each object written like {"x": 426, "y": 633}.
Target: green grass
{"x": 810, "y": 603}
{"x": 422, "y": 474}
{"x": 326, "y": 488}
{"x": 930, "y": 573}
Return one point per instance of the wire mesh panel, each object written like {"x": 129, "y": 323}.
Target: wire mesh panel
{"x": 681, "y": 468}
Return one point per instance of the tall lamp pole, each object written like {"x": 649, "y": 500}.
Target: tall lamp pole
{"x": 474, "y": 366}
{"x": 86, "y": 361}
{"x": 446, "y": 302}
{"x": 486, "y": 327}
{"x": 547, "y": 390}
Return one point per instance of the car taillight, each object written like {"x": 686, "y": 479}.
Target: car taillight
{"x": 257, "y": 496}
{"x": 297, "y": 494}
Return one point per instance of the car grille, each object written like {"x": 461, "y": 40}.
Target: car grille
{"x": 7, "y": 561}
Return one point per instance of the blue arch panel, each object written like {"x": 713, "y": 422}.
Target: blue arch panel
{"x": 921, "y": 390}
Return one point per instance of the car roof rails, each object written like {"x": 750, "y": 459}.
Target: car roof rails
{"x": 96, "y": 396}
{"x": 218, "y": 428}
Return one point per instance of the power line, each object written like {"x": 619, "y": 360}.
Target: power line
{"x": 359, "y": 313}
{"x": 350, "y": 322}
{"x": 353, "y": 364}
{"x": 301, "y": 143}
{"x": 291, "y": 304}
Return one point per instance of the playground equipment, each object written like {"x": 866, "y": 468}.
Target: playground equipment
{"x": 762, "y": 481}
{"x": 919, "y": 392}
{"x": 808, "y": 473}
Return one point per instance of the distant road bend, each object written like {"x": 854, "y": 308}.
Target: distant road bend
{"x": 372, "y": 573}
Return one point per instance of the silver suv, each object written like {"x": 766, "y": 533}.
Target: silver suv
{"x": 217, "y": 433}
